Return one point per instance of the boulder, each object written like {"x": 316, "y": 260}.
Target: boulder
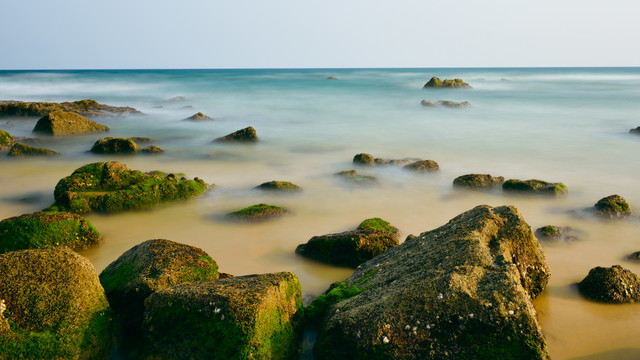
{"x": 553, "y": 233}
{"x": 149, "y": 267}
{"x": 610, "y": 285}
{"x": 141, "y": 140}
{"x": 424, "y": 102}
{"x": 282, "y": 186}
{"x": 152, "y": 149}
{"x": 453, "y": 104}
{"x": 423, "y": 166}
{"x": 6, "y": 140}
{"x": 634, "y": 256}
{"x": 198, "y": 117}
{"x": 635, "y": 131}
{"x": 244, "y": 317}
{"x": 351, "y": 248}
{"x": 613, "y": 206}
{"x": 399, "y": 162}
{"x": 353, "y": 177}
{"x": 22, "y": 150}
{"x": 331, "y": 78}
{"x": 178, "y": 98}
{"x": 111, "y": 145}
{"x": 67, "y": 123}
{"x": 244, "y": 135}
{"x": 111, "y": 186}
{"x": 257, "y": 213}
{"x": 534, "y": 186}
{"x": 363, "y": 160}
{"x": 461, "y": 291}
{"x": 82, "y": 107}
{"x": 42, "y": 229}
{"x": 435, "y": 82}
{"x": 54, "y": 304}
{"x": 478, "y": 181}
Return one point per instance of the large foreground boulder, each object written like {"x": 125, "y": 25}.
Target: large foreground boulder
{"x": 6, "y": 140}
{"x": 21, "y": 150}
{"x": 83, "y": 107}
{"x": 42, "y": 229}
{"x": 611, "y": 285}
{"x": 112, "y": 186}
{"x": 535, "y": 187}
{"x": 111, "y": 145}
{"x": 351, "y": 248}
{"x": 461, "y": 291}
{"x": 245, "y": 317}
{"x": 613, "y": 206}
{"x": 54, "y": 304}
{"x": 243, "y": 135}
{"x": 67, "y": 123}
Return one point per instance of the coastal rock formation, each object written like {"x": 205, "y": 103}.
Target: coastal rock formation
{"x": 198, "y": 117}
{"x": 147, "y": 268}
{"x": 244, "y": 317}
{"x": 111, "y": 145}
{"x": 553, "y": 233}
{"x": 447, "y": 83}
{"x": 42, "y": 229}
{"x": 282, "y": 186}
{"x": 6, "y": 140}
{"x": 535, "y": 186}
{"x": 112, "y": 186}
{"x": 610, "y": 285}
{"x": 55, "y": 304}
{"x": 461, "y": 291}
{"x": 66, "y": 123}
{"x": 257, "y": 213}
{"x": 446, "y": 103}
{"x": 152, "y": 149}
{"x": 22, "y": 150}
{"x": 353, "y": 177}
{"x": 82, "y": 107}
{"x": 423, "y": 166}
{"x": 351, "y": 248}
{"x": 364, "y": 160}
{"x": 244, "y": 135}
{"x": 478, "y": 181}
{"x": 613, "y": 206}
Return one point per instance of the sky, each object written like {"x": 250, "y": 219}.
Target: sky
{"x": 162, "y": 34}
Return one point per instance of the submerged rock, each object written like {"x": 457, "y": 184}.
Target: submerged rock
{"x": 635, "y": 131}
{"x": 446, "y": 103}
{"x": 398, "y": 162}
{"x": 351, "y": 248}
{"x": 634, "y": 256}
{"x": 67, "y": 123}
{"x": 257, "y": 213}
{"x": 42, "y": 229}
{"x": 364, "y": 160}
{"x": 461, "y": 291}
{"x": 112, "y": 186}
{"x": 198, "y": 117}
{"x": 423, "y": 166}
{"x": 535, "y": 186}
{"x": 111, "y": 145}
{"x": 478, "y": 181}
{"x": 56, "y": 307}
{"x": 140, "y": 140}
{"x": 244, "y": 317}
{"x": 447, "y": 83}
{"x": 557, "y": 233}
{"x": 354, "y": 178}
{"x": 610, "y": 285}
{"x": 6, "y": 140}
{"x": 152, "y": 149}
{"x": 22, "y": 150}
{"x": 284, "y": 186}
{"x": 244, "y": 135}
{"x": 82, "y": 107}
{"x": 612, "y": 206}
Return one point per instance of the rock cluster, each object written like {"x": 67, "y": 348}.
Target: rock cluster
{"x": 82, "y": 107}
{"x": 435, "y": 82}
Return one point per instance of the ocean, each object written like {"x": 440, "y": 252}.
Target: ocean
{"x": 567, "y": 125}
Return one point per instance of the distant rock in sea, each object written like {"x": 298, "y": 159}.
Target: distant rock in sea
{"x": 22, "y": 150}
{"x": 198, "y": 117}
{"x": 535, "y": 186}
{"x": 245, "y": 135}
{"x": 111, "y": 145}
{"x": 423, "y": 166}
{"x": 258, "y": 213}
{"x": 635, "y": 131}
{"x": 613, "y": 206}
{"x": 152, "y": 149}
{"x": 446, "y": 103}
{"x": 551, "y": 233}
{"x": 82, "y": 107}
{"x": 279, "y": 186}
{"x": 478, "y": 181}
{"x": 447, "y": 83}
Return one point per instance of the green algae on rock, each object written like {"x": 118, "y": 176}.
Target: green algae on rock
{"x": 612, "y": 206}
{"x": 244, "y": 317}
{"x": 55, "y": 306}
{"x": 247, "y": 134}
{"x": 82, "y": 107}
{"x": 461, "y": 291}
{"x": 257, "y": 213}
{"x": 435, "y": 82}
{"x": 112, "y": 145}
{"x": 282, "y": 186}
{"x": 351, "y": 248}
{"x": 534, "y": 186}
{"x": 423, "y": 166}
{"x": 6, "y": 140}
{"x": 42, "y": 229}
{"x": 478, "y": 181}
{"x": 111, "y": 186}
{"x": 611, "y": 285}
{"x": 21, "y": 150}
{"x": 353, "y": 177}
{"x": 67, "y": 123}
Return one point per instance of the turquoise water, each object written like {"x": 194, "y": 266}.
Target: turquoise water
{"x": 566, "y": 124}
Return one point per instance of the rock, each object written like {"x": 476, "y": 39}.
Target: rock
{"x": 178, "y": 98}
{"x": 398, "y": 162}
{"x": 610, "y": 285}
{"x": 363, "y": 160}
{"x": 284, "y": 186}
{"x": 456, "y": 292}
{"x": 42, "y": 229}
{"x": 111, "y": 145}
{"x": 535, "y": 186}
{"x": 354, "y": 178}
{"x": 244, "y": 317}
{"x": 82, "y": 107}
{"x": 66, "y": 123}
{"x": 111, "y": 186}
{"x": 140, "y": 140}
{"x": 55, "y": 305}
{"x": 478, "y": 181}
{"x": 447, "y": 83}
{"x": 6, "y": 140}
{"x": 149, "y": 267}
{"x": 427, "y": 103}
{"x": 244, "y": 135}
{"x": 557, "y": 233}
{"x": 634, "y": 256}
{"x": 152, "y": 149}
{"x": 635, "y": 131}
{"x": 612, "y": 206}
{"x": 257, "y": 213}
{"x": 351, "y": 248}
{"x": 453, "y": 104}
{"x": 22, "y": 150}
{"x": 198, "y": 117}
{"x": 331, "y": 78}
{"x": 423, "y": 166}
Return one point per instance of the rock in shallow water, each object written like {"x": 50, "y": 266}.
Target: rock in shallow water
{"x": 258, "y": 213}
{"x": 21, "y": 150}
{"x": 6, "y": 140}
{"x": 279, "y": 186}
{"x": 244, "y": 135}
{"x": 478, "y": 181}
{"x": 67, "y": 123}
{"x": 535, "y": 187}
{"x": 613, "y": 206}
{"x": 611, "y": 285}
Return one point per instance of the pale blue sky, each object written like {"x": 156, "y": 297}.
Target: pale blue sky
{"x": 85, "y": 34}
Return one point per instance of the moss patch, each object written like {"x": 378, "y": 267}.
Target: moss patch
{"x": 6, "y": 140}
{"x": 258, "y": 212}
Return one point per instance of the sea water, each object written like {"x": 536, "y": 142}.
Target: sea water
{"x": 565, "y": 125}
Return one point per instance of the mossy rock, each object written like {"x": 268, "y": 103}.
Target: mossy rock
{"x": 198, "y": 117}
{"x": 257, "y": 213}
{"x": 244, "y": 317}
{"x": 243, "y": 135}
{"x": 611, "y": 285}
{"x": 423, "y": 166}
{"x": 42, "y": 229}
{"x": 6, "y": 140}
{"x": 435, "y": 82}
{"x": 67, "y": 123}
{"x": 478, "y": 181}
{"x": 364, "y": 160}
{"x": 283, "y": 186}
{"x": 82, "y": 107}
{"x": 22, "y": 150}
{"x": 111, "y": 186}
{"x": 354, "y": 178}
{"x": 111, "y": 145}
{"x": 399, "y": 162}
{"x": 536, "y": 187}
{"x": 351, "y": 248}
{"x": 55, "y": 306}
{"x": 551, "y": 233}
{"x": 612, "y": 206}
{"x": 152, "y": 149}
